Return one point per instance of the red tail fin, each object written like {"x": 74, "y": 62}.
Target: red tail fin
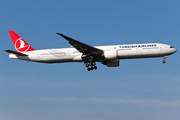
{"x": 19, "y": 44}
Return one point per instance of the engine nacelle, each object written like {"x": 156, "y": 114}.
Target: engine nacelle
{"x": 112, "y": 63}
{"x": 110, "y": 54}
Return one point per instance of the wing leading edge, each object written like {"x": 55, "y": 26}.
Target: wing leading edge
{"x": 81, "y": 47}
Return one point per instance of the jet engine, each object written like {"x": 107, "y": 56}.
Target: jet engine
{"x": 110, "y": 55}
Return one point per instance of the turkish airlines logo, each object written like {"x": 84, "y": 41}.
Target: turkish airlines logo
{"x": 21, "y": 45}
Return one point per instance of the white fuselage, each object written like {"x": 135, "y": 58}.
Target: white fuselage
{"x": 112, "y": 52}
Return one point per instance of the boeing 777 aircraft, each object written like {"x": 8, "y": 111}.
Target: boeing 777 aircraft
{"x": 89, "y": 55}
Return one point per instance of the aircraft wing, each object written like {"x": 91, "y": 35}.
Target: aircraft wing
{"x": 81, "y": 47}
{"x": 15, "y": 53}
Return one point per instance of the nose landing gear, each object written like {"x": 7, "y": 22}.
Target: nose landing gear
{"x": 164, "y": 59}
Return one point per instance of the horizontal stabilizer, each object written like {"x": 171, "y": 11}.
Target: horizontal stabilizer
{"x": 15, "y": 53}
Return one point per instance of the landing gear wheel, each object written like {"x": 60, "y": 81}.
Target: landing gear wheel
{"x": 95, "y": 67}
{"x": 93, "y": 63}
{"x": 87, "y": 65}
{"x": 92, "y": 68}
{"x": 164, "y": 61}
{"x": 89, "y": 69}
{"x": 90, "y": 64}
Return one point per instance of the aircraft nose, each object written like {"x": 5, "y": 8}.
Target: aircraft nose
{"x": 175, "y": 50}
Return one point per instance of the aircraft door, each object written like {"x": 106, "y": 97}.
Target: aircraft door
{"x": 138, "y": 50}
{"x": 68, "y": 53}
{"x": 161, "y": 48}
{"x": 38, "y": 55}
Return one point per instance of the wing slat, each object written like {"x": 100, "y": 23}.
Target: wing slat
{"x": 81, "y": 47}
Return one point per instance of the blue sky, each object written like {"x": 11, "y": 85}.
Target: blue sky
{"x": 138, "y": 89}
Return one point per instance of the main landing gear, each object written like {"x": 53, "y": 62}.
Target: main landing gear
{"x": 164, "y": 59}
{"x": 91, "y": 66}
{"x": 89, "y": 62}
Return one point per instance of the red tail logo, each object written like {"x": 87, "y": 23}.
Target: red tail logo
{"x": 19, "y": 43}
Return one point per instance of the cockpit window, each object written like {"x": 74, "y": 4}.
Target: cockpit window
{"x": 171, "y": 47}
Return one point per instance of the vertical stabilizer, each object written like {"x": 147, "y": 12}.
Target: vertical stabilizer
{"x": 19, "y": 44}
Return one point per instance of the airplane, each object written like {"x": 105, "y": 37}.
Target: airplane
{"x": 89, "y": 55}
